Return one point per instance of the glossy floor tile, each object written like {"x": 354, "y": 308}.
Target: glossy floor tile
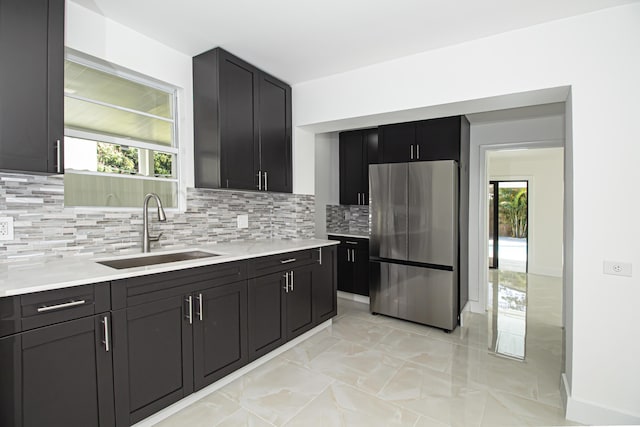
{"x": 368, "y": 370}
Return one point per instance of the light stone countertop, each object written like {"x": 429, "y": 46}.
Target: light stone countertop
{"x": 355, "y": 236}
{"x": 74, "y": 271}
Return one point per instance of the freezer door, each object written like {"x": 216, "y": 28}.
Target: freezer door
{"x": 429, "y": 296}
{"x": 422, "y": 295}
{"x": 433, "y": 212}
{"x": 388, "y": 207}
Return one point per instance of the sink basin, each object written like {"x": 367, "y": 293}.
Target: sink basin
{"x": 142, "y": 261}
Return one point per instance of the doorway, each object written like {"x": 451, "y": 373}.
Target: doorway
{"x": 508, "y": 225}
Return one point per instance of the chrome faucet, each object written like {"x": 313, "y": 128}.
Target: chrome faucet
{"x": 146, "y": 238}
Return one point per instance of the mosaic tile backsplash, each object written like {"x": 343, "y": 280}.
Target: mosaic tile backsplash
{"x": 347, "y": 219}
{"x": 45, "y": 229}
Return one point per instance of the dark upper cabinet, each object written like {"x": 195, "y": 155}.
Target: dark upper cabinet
{"x": 434, "y": 139}
{"x": 242, "y": 125}
{"x": 274, "y": 131}
{"x": 439, "y": 139}
{"x": 31, "y": 85}
{"x": 358, "y": 149}
{"x": 397, "y": 142}
{"x": 353, "y": 264}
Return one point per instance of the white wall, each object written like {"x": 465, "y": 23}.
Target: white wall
{"x": 327, "y": 178}
{"x": 91, "y": 33}
{"x": 595, "y": 55}
{"x": 544, "y": 169}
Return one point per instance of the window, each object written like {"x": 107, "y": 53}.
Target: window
{"x": 120, "y": 136}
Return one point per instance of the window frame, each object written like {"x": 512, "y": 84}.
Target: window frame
{"x": 119, "y": 71}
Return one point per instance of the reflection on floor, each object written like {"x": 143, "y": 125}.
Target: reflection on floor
{"x": 507, "y": 313}
{"x": 370, "y": 370}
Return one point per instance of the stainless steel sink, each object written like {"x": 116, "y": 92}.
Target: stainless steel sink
{"x": 142, "y": 261}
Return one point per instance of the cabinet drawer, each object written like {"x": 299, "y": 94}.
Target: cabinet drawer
{"x": 280, "y": 262}
{"x": 352, "y": 242}
{"x": 139, "y": 290}
{"x": 49, "y": 307}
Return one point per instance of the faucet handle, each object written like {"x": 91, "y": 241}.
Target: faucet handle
{"x": 155, "y": 238}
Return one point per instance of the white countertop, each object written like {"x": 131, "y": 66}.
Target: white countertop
{"x": 74, "y": 271}
{"x": 355, "y": 236}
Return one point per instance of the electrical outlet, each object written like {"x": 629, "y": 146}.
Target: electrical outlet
{"x": 243, "y": 221}
{"x": 6, "y": 228}
{"x": 617, "y": 268}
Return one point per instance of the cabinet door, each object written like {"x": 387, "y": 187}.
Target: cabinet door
{"x": 266, "y": 307}
{"x": 439, "y": 139}
{"x": 58, "y": 375}
{"x": 31, "y": 84}
{"x": 300, "y": 301}
{"x": 370, "y": 156}
{"x": 153, "y": 359}
{"x": 345, "y": 269}
{"x": 361, "y": 271}
{"x": 219, "y": 332}
{"x": 397, "y": 143}
{"x": 274, "y": 124}
{"x": 325, "y": 286}
{"x": 238, "y": 123}
{"x": 352, "y": 168}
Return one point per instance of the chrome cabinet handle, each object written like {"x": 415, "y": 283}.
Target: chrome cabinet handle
{"x": 353, "y": 255}
{"x": 411, "y": 151}
{"x": 320, "y": 256}
{"x": 200, "y": 310}
{"x": 287, "y": 261}
{"x": 418, "y": 151}
{"x": 286, "y": 279}
{"x": 58, "y": 156}
{"x": 259, "y": 180}
{"x": 348, "y": 255}
{"x": 105, "y": 324}
{"x": 291, "y": 280}
{"x": 189, "y": 301}
{"x": 72, "y": 303}
{"x": 266, "y": 188}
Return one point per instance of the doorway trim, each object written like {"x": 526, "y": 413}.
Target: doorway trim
{"x": 482, "y": 207}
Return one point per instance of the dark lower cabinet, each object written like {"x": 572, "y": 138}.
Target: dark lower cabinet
{"x": 153, "y": 358}
{"x": 219, "y": 332}
{"x": 59, "y": 375}
{"x": 166, "y": 349}
{"x": 325, "y": 285}
{"x": 353, "y": 265}
{"x": 299, "y": 300}
{"x": 266, "y": 308}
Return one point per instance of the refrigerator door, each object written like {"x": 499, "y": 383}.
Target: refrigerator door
{"x": 433, "y": 212}
{"x": 388, "y": 207}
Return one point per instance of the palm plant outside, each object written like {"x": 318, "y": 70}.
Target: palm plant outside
{"x": 513, "y": 211}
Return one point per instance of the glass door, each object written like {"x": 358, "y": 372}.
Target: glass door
{"x": 508, "y": 225}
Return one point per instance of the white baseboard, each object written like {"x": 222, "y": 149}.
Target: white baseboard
{"x": 353, "y": 297}
{"x": 590, "y": 413}
{"x": 194, "y": 397}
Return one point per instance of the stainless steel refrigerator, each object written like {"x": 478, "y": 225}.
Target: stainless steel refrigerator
{"x": 414, "y": 253}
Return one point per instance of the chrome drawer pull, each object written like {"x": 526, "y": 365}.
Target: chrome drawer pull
{"x": 46, "y": 308}
{"x": 287, "y": 261}
{"x": 350, "y": 242}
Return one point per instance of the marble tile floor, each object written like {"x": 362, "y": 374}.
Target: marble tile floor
{"x": 367, "y": 370}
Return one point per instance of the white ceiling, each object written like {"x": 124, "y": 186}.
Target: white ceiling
{"x": 300, "y": 40}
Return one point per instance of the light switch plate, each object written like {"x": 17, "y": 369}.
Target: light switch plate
{"x": 6, "y": 228}
{"x": 617, "y": 268}
{"x": 243, "y": 221}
